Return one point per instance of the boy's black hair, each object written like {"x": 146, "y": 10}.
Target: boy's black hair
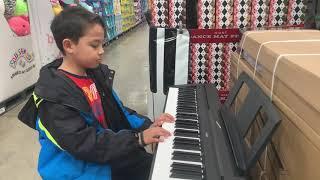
{"x": 72, "y": 24}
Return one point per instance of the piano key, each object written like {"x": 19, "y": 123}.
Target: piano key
{"x": 163, "y": 161}
{"x": 186, "y": 122}
{"x": 186, "y": 140}
{"x": 186, "y": 110}
{"x": 186, "y": 126}
{"x": 186, "y": 156}
{"x": 187, "y": 98}
{"x": 192, "y": 130}
{"x": 186, "y": 146}
{"x": 187, "y": 167}
{"x": 186, "y": 175}
{"x": 180, "y": 132}
{"x": 187, "y": 114}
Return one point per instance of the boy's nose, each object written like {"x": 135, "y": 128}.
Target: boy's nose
{"x": 101, "y": 51}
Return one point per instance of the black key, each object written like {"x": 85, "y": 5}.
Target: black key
{"x": 186, "y": 133}
{"x": 187, "y": 103}
{"x": 187, "y": 116}
{"x": 185, "y": 126}
{"x": 186, "y": 156}
{"x": 186, "y": 108}
{"x": 186, "y": 111}
{"x": 187, "y": 141}
{"x": 185, "y": 174}
{"x": 186, "y": 146}
{"x": 181, "y": 97}
{"x": 187, "y": 122}
{"x": 186, "y": 167}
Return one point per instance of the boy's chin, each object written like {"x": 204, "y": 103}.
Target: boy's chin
{"x": 92, "y": 66}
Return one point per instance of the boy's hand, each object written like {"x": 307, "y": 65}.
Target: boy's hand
{"x": 154, "y": 134}
{"x": 162, "y": 119}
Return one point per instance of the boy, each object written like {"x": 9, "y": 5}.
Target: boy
{"x": 84, "y": 130}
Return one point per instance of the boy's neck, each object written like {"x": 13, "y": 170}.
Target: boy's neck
{"x": 71, "y": 67}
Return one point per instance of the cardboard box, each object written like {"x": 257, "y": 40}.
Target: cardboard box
{"x": 297, "y": 78}
{"x": 295, "y": 142}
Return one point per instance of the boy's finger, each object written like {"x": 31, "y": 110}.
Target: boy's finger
{"x": 160, "y": 139}
{"x": 159, "y": 131}
{"x": 165, "y": 132}
{"x": 167, "y": 118}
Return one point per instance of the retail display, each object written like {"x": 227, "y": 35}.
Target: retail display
{"x": 19, "y": 65}
{"x": 16, "y": 14}
{"x": 289, "y": 75}
{"x": 56, "y": 7}
{"x": 216, "y": 14}
{"x": 10, "y": 8}
{"x": 21, "y": 8}
{"x": 19, "y": 25}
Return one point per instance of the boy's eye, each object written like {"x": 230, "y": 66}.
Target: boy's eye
{"x": 94, "y": 45}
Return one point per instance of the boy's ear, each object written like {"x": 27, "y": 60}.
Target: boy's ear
{"x": 68, "y": 46}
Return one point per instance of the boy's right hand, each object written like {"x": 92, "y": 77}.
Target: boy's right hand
{"x": 152, "y": 135}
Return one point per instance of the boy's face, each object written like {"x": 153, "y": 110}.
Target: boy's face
{"x": 88, "y": 51}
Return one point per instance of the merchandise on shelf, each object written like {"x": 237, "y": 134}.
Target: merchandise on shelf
{"x": 159, "y": 13}
{"x": 241, "y": 13}
{"x": 138, "y": 10}
{"x": 17, "y": 16}
{"x": 260, "y": 11}
{"x": 19, "y": 25}
{"x": 296, "y": 12}
{"x": 118, "y": 23}
{"x": 128, "y": 15}
{"x": 9, "y": 7}
{"x": 144, "y": 6}
{"x": 117, "y": 7}
{"x": 216, "y": 14}
{"x": 206, "y": 14}
{"x": 21, "y": 8}
{"x": 278, "y": 12}
{"x": 56, "y": 7}
{"x": 182, "y": 11}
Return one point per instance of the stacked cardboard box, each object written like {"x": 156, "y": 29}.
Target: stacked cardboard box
{"x": 285, "y": 64}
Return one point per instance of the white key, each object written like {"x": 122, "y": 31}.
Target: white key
{"x": 161, "y": 169}
{"x": 163, "y": 161}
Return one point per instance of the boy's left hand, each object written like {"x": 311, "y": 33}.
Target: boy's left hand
{"x": 162, "y": 119}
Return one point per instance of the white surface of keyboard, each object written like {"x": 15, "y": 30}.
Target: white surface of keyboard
{"x": 163, "y": 159}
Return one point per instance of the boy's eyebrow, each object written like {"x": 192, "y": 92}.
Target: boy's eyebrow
{"x": 97, "y": 40}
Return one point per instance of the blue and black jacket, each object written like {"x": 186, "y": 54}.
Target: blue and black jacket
{"x": 73, "y": 144}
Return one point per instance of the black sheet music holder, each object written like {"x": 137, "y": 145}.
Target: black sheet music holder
{"x": 238, "y": 125}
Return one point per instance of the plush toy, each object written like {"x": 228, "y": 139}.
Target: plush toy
{"x": 21, "y": 8}
{"x": 56, "y": 7}
{"x": 10, "y": 7}
{"x": 19, "y": 25}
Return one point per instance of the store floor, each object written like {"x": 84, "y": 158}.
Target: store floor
{"x": 128, "y": 56}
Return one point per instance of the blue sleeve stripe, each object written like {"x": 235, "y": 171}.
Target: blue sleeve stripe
{"x": 134, "y": 120}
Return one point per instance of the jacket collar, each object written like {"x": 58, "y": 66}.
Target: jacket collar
{"x": 55, "y": 87}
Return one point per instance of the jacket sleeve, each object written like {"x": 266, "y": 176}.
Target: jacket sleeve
{"x": 137, "y": 122}
{"x": 70, "y": 130}
{"x": 143, "y": 121}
